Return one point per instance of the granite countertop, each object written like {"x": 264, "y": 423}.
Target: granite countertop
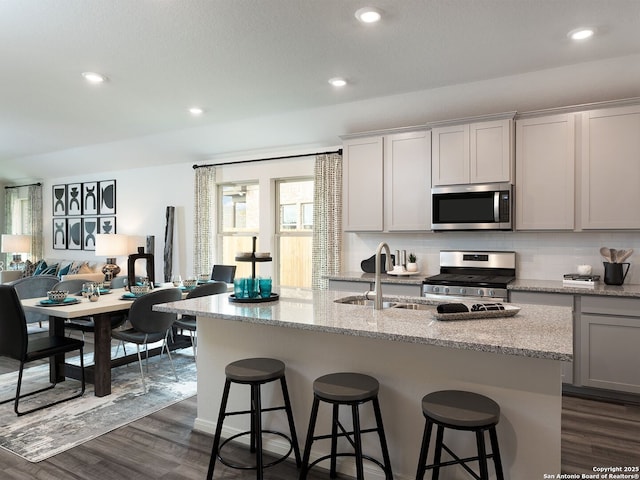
{"x": 556, "y": 286}
{"x": 536, "y": 331}
{"x": 413, "y": 279}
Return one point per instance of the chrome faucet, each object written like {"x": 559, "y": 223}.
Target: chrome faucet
{"x": 377, "y": 301}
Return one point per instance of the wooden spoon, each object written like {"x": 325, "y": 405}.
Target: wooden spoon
{"x": 627, "y": 254}
{"x": 614, "y": 255}
{"x": 606, "y": 253}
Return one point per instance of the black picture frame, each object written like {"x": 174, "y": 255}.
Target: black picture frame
{"x": 90, "y": 198}
{"x": 74, "y": 234}
{"x": 107, "y": 197}
{"x": 107, "y": 225}
{"x": 59, "y": 233}
{"x": 74, "y": 199}
{"x": 59, "y": 200}
{"x": 89, "y": 231}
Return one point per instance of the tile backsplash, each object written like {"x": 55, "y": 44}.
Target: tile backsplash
{"x": 539, "y": 255}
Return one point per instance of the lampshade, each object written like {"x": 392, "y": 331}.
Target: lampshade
{"x": 16, "y": 243}
{"x": 111, "y": 245}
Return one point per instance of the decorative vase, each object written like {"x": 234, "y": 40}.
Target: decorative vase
{"x": 412, "y": 267}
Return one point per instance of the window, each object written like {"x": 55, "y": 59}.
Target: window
{"x": 294, "y": 232}
{"x": 239, "y": 222}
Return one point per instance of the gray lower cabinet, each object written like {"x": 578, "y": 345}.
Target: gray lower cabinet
{"x": 609, "y": 339}
{"x": 349, "y": 286}
{"x": 556, "y": 300}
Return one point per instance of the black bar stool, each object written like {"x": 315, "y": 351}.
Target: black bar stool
{"x": 254, "y": 372}
{"x": 351, "y": 389}
{"x": 460, "y": 411}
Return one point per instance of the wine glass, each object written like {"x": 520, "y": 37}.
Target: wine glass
{"x": 177, "y": 280}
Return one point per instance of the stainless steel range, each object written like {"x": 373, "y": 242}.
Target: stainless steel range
{"x": 469, "y": 276}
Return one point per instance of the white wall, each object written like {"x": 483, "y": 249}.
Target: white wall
{"x": 142, "y": 196}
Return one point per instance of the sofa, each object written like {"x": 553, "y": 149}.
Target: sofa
{"x": 63, "y": 269}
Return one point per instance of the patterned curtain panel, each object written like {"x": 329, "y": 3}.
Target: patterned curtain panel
{"x": 10, "y": 197}
{"x": 204, "y": 219}
{"x": 326, "y": 253}
{"x": 35, "y": 211}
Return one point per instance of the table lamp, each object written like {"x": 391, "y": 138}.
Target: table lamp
{"x": 16, "y": 245}
{"x": 111, "y": 245}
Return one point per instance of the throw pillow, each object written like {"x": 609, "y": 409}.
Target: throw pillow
{"x": 85, "y": 268}
{"x": 64, "y": 270}
{"x": 50, "y": 270}
{"x": 75, "y": 267}
{"x": 29, "y": 268}
{"x": 40, "y": 267}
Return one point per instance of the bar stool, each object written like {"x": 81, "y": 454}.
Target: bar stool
{"x": 351, "y": 389}
{"x": 254, "y": 372}
{"x": 466, "y": 411}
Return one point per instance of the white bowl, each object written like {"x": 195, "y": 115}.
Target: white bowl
{"x": 139, "y": 289}
{"x": 243, "y": 254}
{"x": 263, "y": 254}
{"x": 190, "y": 283}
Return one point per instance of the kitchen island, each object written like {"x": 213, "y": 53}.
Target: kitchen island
{"x": 515, "y": 360}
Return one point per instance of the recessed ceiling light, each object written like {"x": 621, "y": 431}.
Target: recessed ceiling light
{"x": 368, "y": 15}
{"x": 93, "y": 77}
{"x": 581, "y": 33}
{"x": 338, "y": 82}
{"x": 196, "y": 111}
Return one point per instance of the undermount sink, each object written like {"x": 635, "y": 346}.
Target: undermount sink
{"x": 413, "y": 306}
{"x": 387, "y": 304}
{"x": 363, "y": 301}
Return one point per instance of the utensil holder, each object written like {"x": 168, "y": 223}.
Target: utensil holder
{"x": 614, "y": 273}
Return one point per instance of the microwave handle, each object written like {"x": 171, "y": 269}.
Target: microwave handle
{"x": 496, "y": 207}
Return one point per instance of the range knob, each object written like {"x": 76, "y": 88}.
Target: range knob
{"x": 436, "y": 289}
{"x": 463, "y": 291}
{"x": 480, "y": 292}
{"x": 446, "y": 289}
{"x": 492, "y": 293}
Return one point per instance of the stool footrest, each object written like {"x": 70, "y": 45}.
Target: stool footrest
{"x": 347, "y": 454}
{"x": 253, "y": 467}
{"x": 247, "y": 412}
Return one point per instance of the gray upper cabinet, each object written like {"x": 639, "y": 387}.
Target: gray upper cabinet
{"x": 610, "y": 162}
{"x": 387, "y": 180}
{"x": 545, "y": 172}
{"x": 478, "y": 152}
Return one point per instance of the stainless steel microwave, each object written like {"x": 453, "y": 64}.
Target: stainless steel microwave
{"x": 472, "y": 207}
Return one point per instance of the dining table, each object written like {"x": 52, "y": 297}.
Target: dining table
{"x": 110, "y": 302}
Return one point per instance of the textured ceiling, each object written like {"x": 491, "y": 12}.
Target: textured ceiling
{"x": 241, "y": 59}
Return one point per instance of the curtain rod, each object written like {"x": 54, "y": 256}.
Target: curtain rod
{"x": 28, "y": 185}
{"x": 339, "y": 151}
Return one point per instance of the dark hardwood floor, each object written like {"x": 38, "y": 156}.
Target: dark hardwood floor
{"x": 164, "y": 446}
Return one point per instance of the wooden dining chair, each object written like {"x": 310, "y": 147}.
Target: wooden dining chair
{"x": 16, "y": 344}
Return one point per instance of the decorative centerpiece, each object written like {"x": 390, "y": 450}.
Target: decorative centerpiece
{"x": 412, "y": 266}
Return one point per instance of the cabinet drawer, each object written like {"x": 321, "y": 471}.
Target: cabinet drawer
{"x": 553, "y": 299}
{"x": 610, "y": 305}
{"x": 347, "y": 286}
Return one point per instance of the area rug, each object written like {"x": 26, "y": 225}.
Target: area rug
{"x": 45, "y": 433}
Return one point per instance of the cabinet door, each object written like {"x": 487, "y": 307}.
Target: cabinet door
{"x": 362, "y": 184}
{"x": 545, "y": 173}
{"x": 407, "y": 181}
{"x": 490, "y": 154}
{"x": 611, "y": 168}
{"x": 609, "y": 352}
{"x": 450, "y": 155}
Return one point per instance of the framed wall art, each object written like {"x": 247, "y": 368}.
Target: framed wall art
{"x": 107, "y": 197}
{"x": 89, "y": 230}
{"x": 59, "y": 200}
{"x": 90, "y": 198}
{"x": 80, "y": 212}
{"x": 74, "y": 234}
{"x": 60, "y": 233}
{"x": 74, "y": 199}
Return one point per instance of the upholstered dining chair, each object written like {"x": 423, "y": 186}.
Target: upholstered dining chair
{"x": 33, "y": 287}
{"x": 16, "y": 344}
{"x": 148, "y": 326}
{"x": 188, "y": 322}
{"x": 223, "y": 273}
{"x": 74, "y": 287}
